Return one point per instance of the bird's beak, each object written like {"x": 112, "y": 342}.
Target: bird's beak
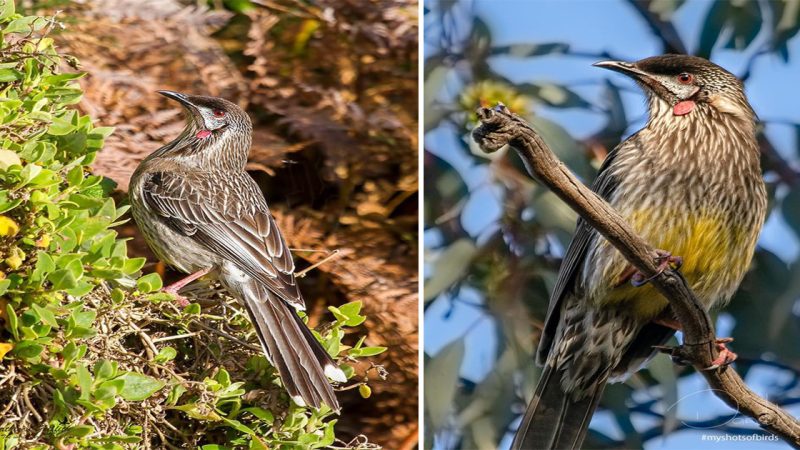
{"x": 636, "y": 73}
{"x": 177, "y": 96}
{"x": 183, "y": 99}
{"x": 622, "y": 67}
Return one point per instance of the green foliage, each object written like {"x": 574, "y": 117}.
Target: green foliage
{"x": 76, "y": 365}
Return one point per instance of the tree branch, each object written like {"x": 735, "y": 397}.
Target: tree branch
{"x": 500, "y": 127}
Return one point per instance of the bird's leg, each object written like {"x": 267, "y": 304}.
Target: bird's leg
{"x": 669, "y": 322}
{"x": 724, "y": 358}
{"x": 666, "y": 319}
{"x": 665, "y": 260}
{"x": 178, "y": 285}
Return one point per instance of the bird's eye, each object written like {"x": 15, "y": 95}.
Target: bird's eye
{"x": 219, "y": 113}
{"x": 685, "y": 78}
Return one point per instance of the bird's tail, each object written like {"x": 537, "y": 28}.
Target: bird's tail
{"x": 554, "y": 420}
{"x": 302, "y": 362}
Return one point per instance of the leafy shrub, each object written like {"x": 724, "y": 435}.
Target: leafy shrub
{"x": 92, "y": 355}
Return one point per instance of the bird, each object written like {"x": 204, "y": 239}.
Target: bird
{"x": 690, "y": 183}
{"x": 202, "y": 214}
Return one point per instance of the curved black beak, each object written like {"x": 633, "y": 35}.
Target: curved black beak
{"x": 622, "y": 67}
{"x": 192, "y": 111}
{"x": 631, "y": 70}
{"x": 177, "y": 96}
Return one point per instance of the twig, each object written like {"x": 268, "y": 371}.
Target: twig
{"x": 27, "y": 400}
{"x": 172, "y": 338}
{"x": 332, "y": 255}
{"x": 226, "y": 335}
{"x": 499, "y": 127}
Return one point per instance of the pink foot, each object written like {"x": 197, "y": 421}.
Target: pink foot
{"x": 665, "y": 261}
{"x": 725, "y": 356}
{"x": 175, "y": 287}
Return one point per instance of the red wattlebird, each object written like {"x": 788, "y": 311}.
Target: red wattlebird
{"x": 201, "y": 213}
{"x": 690, "y": 183}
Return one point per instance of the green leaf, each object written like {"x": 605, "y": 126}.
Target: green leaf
{"x": 528, "y": 50}
{"x": 61, "y": 126}
{"x": 44, "y": 265}
{"x": 72, "y": 352}
{"x": 366, "y": 351}
{"x": 441, "y": 380}
{"x": 553, "y": 95}
{"x": 25, "y": 25}
{"x": 9, "y": 75}
{"x": 200, "y": 412}
{"x": 133, "y": 265}
{"x": 449, "y": 267}
{"x": 6, "y": 9}
{"x": 149, "y": 283}
{"x": 8, "y": 158}
{"x": 45, "y": 315}
{"x": 261, "y": 413}
{"x": 13, "y": 321}
{"x": 62, "y": 279}
{"x": 78, "y": 431}
{"x": 238, "y": 426}
{"x": 351, "y": 312}
{"x": 165, "y": 354}
{"x": 84, "y": 378}
{"x": 62, "y": 77}
{"x": 138, "y": 386}
{"x": 28, "y": 349}
{"x": 28, "y": 173}
{"x": 105, "y": 370}
{"x": 192, "y": 308}
{"x": 175, "y": 394}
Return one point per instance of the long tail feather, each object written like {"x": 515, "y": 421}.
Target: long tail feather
{"x": 302, "y": 362}
{"x": 553, "y": 420}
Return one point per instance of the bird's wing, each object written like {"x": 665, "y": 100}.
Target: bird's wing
{"x": 604, "y": 186}
{"x": 228, "y": 215}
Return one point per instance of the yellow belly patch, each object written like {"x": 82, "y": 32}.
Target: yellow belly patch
{"x": 715, "y": 253}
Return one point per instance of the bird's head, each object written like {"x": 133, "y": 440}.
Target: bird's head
{"x": 682, "y": 85}
{"x": 211, "y": 118}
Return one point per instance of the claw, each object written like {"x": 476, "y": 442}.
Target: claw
{"x": 665, "y": 260}
{"x": 675, "y": 353}
{"x": 725, "y": 357}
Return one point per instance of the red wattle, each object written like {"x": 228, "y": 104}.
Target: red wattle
{"x": 202, "y": 134}
{"x": 683, "y": 108}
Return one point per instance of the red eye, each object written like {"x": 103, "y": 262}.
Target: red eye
{"x": 685, "y": 78}
{"x": 219, "y": 113}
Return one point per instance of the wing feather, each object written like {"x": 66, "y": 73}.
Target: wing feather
{"x": 604, "y": 185}
{"x": 230, "y": 219}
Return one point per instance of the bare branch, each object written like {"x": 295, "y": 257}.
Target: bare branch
{"x": 500, "y": 127}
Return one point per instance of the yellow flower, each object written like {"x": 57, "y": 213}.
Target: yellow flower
{"x": 488, "y": 93}
{"x": 8, "y": 227}
{"x": 5, "y": 347}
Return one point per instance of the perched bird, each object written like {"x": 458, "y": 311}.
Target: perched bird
{"x": 201, "y": 213}
{"x": 689, "y": 183}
